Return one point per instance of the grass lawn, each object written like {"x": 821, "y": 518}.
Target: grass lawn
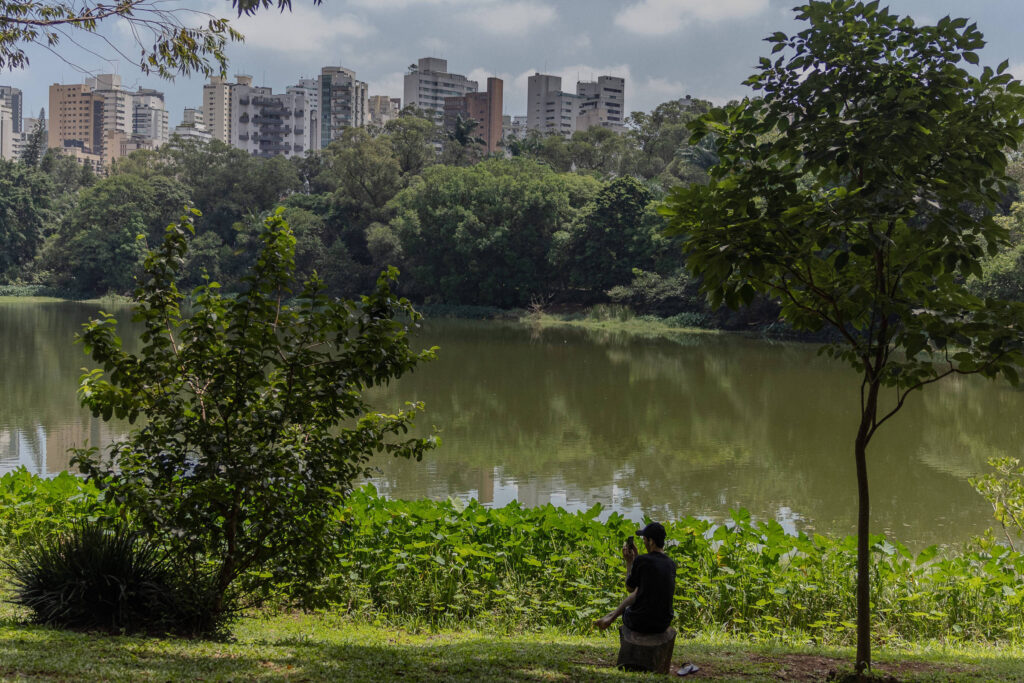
{"x": 330, "y": 648}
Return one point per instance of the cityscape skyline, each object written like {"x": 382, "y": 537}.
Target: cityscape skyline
{"x": 664, "y": 49}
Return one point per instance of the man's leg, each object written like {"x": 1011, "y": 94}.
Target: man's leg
{"x": 609, "y": 619}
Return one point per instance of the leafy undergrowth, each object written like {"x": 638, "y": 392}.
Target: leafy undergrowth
{"x": 329, "y": 647}
{"x": 448, "y": 565}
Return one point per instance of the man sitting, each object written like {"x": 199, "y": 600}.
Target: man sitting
{"x": 651, "y": 580}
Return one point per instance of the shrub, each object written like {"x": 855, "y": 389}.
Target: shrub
{"x": 254, "y": 420}
{"x": 91, "y": 577}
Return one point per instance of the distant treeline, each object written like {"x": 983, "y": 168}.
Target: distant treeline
{"x": 564, "y": 221}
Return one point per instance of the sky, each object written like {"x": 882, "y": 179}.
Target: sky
{"x": 665, "y": 49}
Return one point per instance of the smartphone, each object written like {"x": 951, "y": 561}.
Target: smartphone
{"x": 629, "y": 543}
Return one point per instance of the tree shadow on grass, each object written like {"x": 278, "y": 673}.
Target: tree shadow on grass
{"x": 46, "y": 654}
{"x": 42, "y": 654}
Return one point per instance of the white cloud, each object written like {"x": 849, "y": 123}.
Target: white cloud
{"x": 662, "y": 89}
{"x": 305, "y": 30}
{"x": 509, "y": 19}
{"x": 661, "y": 17}
{"x": 434, "y": 46}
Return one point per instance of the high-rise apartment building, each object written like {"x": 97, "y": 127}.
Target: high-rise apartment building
{"x": 595, "y": 103}
{"x": 484, "y": 108}
{"x": 602, "y": 103}
{"x": 343, "y": 102}
{"x": 384, "y": 108}
{"x": 12, "y": 98}
{"x": 117, "y": 102}
{"x": 150, "y": 119}
{"x": 217, "y": 105}
{"x": 7, "y": 134}
{"x": 548, "y": 109}
{"x": 268, "y": 125}
{"x": 309, "y": 89}
{"x": 513, "y": 126}
{"x": 428, "y": 83}
{"x": 75, "y": 118}
{"x": 193, "y": 117}
{"x": 193, "y": 125}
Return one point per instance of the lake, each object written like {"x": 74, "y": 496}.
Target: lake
{"x": 667, "y": 427}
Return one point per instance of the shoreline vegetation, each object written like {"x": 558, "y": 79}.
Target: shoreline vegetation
{"x": 605, "y": 317}
{"x": 449, "y": 590}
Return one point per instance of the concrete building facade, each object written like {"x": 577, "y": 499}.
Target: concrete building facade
{"x": 117, "y": 102}
{"x": 13, "y": 99}
{"x": 428, "y": 83}
{"x": 309, "y": 89}
{"x": 595, "y": 103}
{"x": 384, "y": 108}
{"x": 8, "y": 137}
{"x": 75, "y": 118}
{"x": 217, "y": 105}
{"x": 267, "y": 125}
{"x": 548, "y": 108}
{"x": 513, "y": 126}
{"x": 149, "y": 116}
{"x": 343, "y": 103}
{"x": 602, "y": 103}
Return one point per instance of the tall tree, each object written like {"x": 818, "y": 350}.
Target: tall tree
{"x": 24, "y": 209}
{"x": 36, "y": 143}
{"x": 858, "y": 190}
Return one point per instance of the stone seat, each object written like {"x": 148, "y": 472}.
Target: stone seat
{"x": 646, "y": 651}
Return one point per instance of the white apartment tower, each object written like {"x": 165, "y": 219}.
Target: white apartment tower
{"x": 7, "y": 134}
{"x": 428, "y": 83}
{"x": 309, "y": 89}
{"x": 343, "y": 102}
{"x": 267, "y": 125}
{"x": 117, "y": 102}
{"x": 217, "y": 105}
{"x": 192, "y": 125}
{"x": 149, "y": 116}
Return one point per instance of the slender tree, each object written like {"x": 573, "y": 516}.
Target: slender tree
{"x": 858, "y": 191}
{"x": 36, "y": 143}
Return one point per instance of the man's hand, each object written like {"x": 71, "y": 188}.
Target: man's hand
{"x": 629, "y": 553}
{"x": 604, "y": 622}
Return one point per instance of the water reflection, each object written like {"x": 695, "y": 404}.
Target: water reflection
{"x": 40, "y": 418}
{"x": 693, "y": 425}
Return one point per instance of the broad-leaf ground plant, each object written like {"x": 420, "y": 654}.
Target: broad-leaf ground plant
{"x": 254, "y": 422}
{"x": 857, "y": 189}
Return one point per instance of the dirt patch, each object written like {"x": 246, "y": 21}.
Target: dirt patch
{"x": 797, "y": 667}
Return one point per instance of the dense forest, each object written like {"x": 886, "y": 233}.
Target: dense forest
{"x": 554, "y": 222}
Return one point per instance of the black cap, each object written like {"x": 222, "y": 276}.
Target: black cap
{"x": 653, "y": 531}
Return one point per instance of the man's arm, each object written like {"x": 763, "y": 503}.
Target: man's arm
{"x": 608, "y": 619}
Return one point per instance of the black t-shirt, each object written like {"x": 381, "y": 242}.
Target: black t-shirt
{"x": 654, "y": 575}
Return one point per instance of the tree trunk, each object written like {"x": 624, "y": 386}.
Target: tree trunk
{"x": 863, "y": 557}
{"x": 867, "y": 419}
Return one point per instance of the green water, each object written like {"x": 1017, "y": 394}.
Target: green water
{"x": 664, "y": 427}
